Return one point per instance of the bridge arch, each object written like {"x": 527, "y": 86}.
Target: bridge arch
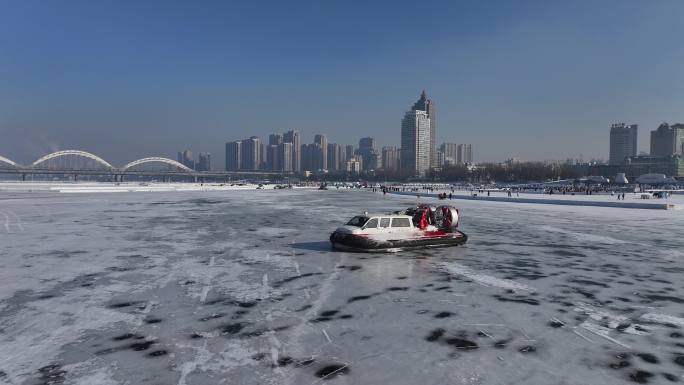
{"x": 72, "y": 152}
{"x": 156, "y": 159}
{"x": 8, "y": 161}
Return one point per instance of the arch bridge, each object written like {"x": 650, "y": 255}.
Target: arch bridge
{"x": 43, "y": 166}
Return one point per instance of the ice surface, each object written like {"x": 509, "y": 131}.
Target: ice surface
{"x": 241, "y": 287}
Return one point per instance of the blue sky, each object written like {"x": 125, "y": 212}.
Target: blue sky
{"x": 528, "y": 79}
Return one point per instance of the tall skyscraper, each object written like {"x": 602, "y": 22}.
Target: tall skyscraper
{"x": 310, "y": 157}
{"x": 415, "y": 142}
{"x": 273, "y": 158}
{"x": 450, "y": 153}
{"x": 275, "y": 139}
{"x": 251, "y": 153}
{"x": 623, "y": 142}
{"x": 285, "y": 154}
{"x": 293, "y": 137}
{"x": 334, "y": 159}
{"x": 322, "y": 159}
{"x": 667, "y": 140}
{"x": 428, "y": 105}
{"x": 349, "y": 151}
{"x": 390, "y": 158}
{"x": 204, "y": 161}
{"x": 464, "y": 154}
{"x": 234, "y": 156}
{"x": 185, "y": 158}
{"x": 369, "y": 153}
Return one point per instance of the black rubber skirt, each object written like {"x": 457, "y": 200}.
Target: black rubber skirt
{"x": 355, "y": 243}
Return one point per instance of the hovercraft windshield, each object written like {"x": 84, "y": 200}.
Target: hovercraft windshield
{"x": 358, "y": 221}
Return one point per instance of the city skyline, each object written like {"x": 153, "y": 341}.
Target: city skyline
{"x": 156, "y": 79}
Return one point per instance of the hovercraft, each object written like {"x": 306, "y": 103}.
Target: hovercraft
{"x": 418, "y": 227}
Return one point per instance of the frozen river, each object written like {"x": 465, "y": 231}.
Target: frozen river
{"x": 241, "y": 287}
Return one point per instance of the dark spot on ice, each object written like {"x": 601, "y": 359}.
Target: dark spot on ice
{"x": 305, "y": 362}
{"x": 501, "y": 343}
{"x": 461, "y": 343}
{"x": 656, "y": 297}
{"x": 122, "y": 337}
{"x": 195, "y": 336}
{"x": 435, "y": 335}
{"x": 352, "y": 268}
{"x": 153, "y": 320}
{"x": 258, "y": 356}
{"x": 648, "y": 357}
{"x": 233, "y": 328}
{"x": 346, "y": 316}
{"x": 679, "y": 360}
{"x": 402, "y": 277}
{"x": 555, "y": 324}
{"x": 588, "y": 282}
{"x": 245, "y": 304}
{"x": 527, "y": 349}
{"x": 397, "y": 288}
{"x": 305, "y": 307}
{"x": 120, "y": 305}
{"x": 441, "y": 288}
{"x": 329, "y": 313}
{"x": 321, "y": 319}
{"x": 676, "y": 335}
{"x": 443, "y": 314}
{"x": 620, "y": 364}
{"x": 157, "y": 353}
{"x": 670, "y": 377}
{"x": 330, "y": 371}
{"x": 213, "y": 316}
{"x": 358, "y": 298}
{"x": 296, "y": 277}
{"x": 52, "y": 375}
{"x": 517, "y": 298}
{"x": 138, "y": 346}
{"x": 285, "y": 360}
{"x": 640, "y": 376}
{"x": 45, "y": 296}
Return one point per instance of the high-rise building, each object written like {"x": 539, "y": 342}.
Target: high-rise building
{"x": 349, "y": 151}
{"x": 415, "y": 142}
{"x": 310, "y": 154}
{"x": 464, "y": 154}
{"x": 449, "y": 154}
{"x": 428, "y": 105}
{"x": 275, "y": 139}
{"x": 355, "y": 164}
{"x": 204, "y": 161}
{"x": 334, "y": 156}
{"x": 390, "y": 158}
{"x": 234, "y": 155}
{"x": 623, "y": 142}
{"x": 273, "y": 157}
{"x": 251, "y": 153}
{"x": 667, "y": 140}
{"x": 185, "y": 158}
{"x": 322, "y": 158}
{"x": 369, "y": 153}
{"x": 293, "y": 137}
{"x": 285, "y": 155}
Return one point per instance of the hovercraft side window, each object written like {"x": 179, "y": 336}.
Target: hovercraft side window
{"x": 401, "y": 222}
{"x": 372, "y": 224}
{"x": 357, "y": 221}
{"x": 385, "y": 223}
